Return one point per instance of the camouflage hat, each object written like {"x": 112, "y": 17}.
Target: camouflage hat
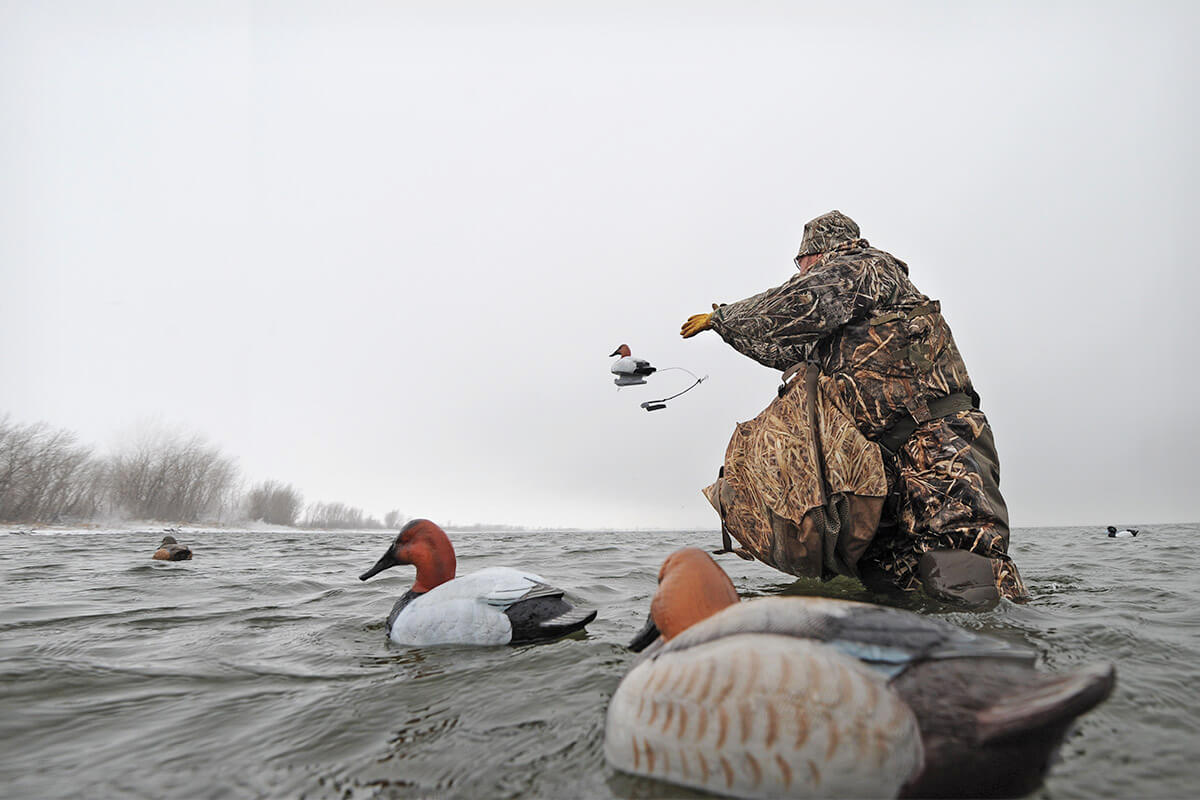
{"x": 827, "y": 232}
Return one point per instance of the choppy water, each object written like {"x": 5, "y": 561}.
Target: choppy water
{"x": 260, "y": 668}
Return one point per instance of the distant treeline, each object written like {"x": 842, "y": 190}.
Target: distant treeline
{"x": 47, "y": 476}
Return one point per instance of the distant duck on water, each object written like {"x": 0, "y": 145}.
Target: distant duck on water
{"x": 496, "y": 605}
{"x": 630, "y": 371}
{"x": 815, "y": 697}
{"x": 171, "y": 550}
{"x": 1113, "y": 533}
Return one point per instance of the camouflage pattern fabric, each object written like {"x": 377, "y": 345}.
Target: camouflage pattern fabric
{"x": 948, "y": 497}
{"x": 801, "y": 489}
{"x": 856, "y": 314}
{"x": 887, "y": 352}
{"x": 827, "y": 232}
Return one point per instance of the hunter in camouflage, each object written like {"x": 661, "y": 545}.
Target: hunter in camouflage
{"x": 891, "y": 362}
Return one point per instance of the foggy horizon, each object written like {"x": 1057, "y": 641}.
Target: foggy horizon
{"x": 382, "y": 254}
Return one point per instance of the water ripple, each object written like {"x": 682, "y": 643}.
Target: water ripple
{"x": 260, "y": 668}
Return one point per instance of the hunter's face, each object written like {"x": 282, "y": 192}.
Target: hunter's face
{"x": 806, "y": 261}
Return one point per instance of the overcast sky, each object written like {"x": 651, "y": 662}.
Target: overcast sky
{"x": 381, "y": 251}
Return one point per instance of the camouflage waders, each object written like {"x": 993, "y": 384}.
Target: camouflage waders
{"x": 893, "y": 363}
{"x": 946, "y": 496}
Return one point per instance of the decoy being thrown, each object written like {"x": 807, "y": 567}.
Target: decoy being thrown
{"x": 809, "y": 696}
{"x": 496, "y": 605}
{"x": 630, "y": 371}
{"x": 171, "y": 550}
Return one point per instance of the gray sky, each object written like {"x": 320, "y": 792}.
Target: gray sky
{"x": 381, "y": 250}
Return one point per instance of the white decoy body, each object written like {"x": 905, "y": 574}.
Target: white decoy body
{"x": 467, "y": 610}
{"x": 1113, "y": 533}
{"x": 496, "y": 605}
{"x": 630, "y": 371}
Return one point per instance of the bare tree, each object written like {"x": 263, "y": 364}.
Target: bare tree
{"x": 45, "y": 475}
{"x": 167, "y": 477}
{"x": 394, "y": 519}
{"x": 334, "y": 516}
{"x": 88, "y": 492}
{"x": 272, "y": 502}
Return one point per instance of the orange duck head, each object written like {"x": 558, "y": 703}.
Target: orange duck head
{"x": 691, "y": 588}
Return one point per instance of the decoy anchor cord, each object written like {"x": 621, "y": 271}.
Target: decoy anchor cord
{"x": 655, "y": 405}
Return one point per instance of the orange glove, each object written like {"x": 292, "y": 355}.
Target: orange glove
{"x": 696, "y": 323}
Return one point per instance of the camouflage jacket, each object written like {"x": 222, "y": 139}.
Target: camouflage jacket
{"x": 858, "y": 317}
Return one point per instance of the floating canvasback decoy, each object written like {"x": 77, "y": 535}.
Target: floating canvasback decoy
{"x": 1113, "y": 533}
{"x": 496, "y": 605}
{"x": 630, "y": 371}
{"x": 171, "y": 550}
{"x": 810, "y": 696}
{"x": 753, "y": 712}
